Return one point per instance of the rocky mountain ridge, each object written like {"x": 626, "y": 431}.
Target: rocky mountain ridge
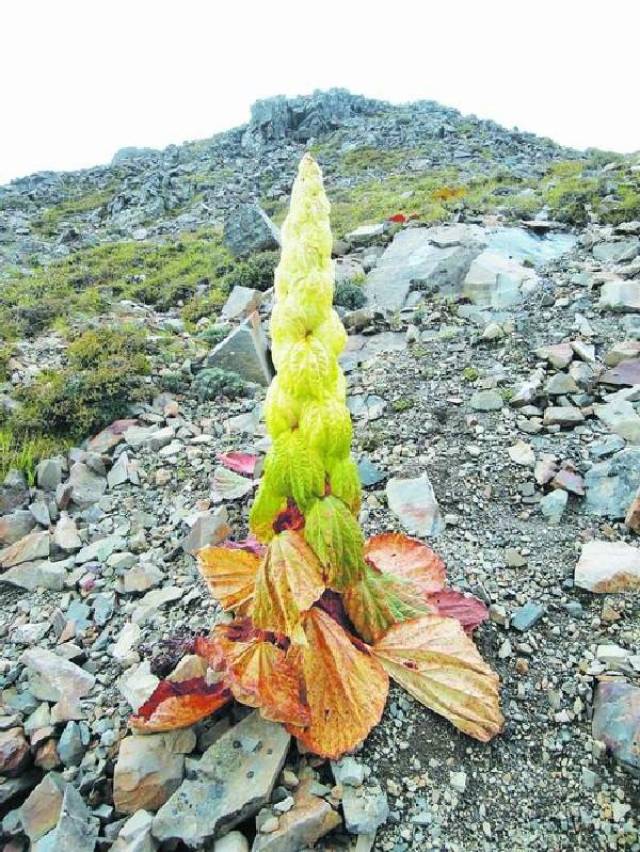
{"x": 195, "y": 184}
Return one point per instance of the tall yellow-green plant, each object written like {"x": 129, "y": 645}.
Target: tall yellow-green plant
{"x": 309, "y": 466}
{"x": 322, "y": 619}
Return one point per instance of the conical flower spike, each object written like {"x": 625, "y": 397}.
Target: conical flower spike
{"x": 309, "y": 464}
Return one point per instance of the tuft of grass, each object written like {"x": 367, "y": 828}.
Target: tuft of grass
{"x": 24, "y": 454}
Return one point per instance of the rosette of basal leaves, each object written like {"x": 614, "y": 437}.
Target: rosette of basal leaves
{"x": 323, "y": 619}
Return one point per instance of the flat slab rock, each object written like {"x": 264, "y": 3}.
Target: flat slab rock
{"x": 233, "y": 780}
{"x": 608, "y": 566}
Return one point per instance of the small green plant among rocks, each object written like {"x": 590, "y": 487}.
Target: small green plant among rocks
{"x": 213, "y": 382}
{"x": 214, "y": 334}
{"x": 349, "y": 295}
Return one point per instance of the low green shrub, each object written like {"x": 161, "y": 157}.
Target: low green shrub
{"x": 255, "y": 272}
{"x": 96, "y": 344}
{"x": 105, "y": 375}
{"x": 349, "y": 295}
{"x": 214, "y": 382}
{"x": 214, "y": 334}
{"x": 173, "y": 382}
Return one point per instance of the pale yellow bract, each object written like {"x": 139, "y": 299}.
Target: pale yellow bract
{"x": 305, "y": 409}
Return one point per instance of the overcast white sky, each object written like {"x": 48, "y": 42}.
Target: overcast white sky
{"x": 82, "y": 78}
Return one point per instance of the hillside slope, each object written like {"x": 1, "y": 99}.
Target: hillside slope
{"x": 490, "y": 285}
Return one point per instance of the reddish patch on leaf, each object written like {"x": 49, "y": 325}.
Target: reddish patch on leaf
{"x": 331, "y": 603}
{"x": 256, "y": 668}
{"x": 179, "y": 704}
{"x": 250, "y": 544}
{"x": 290, "y": 519}
{"x": 467, "y": 609}
{"x": 244, "y": 463}
{"x": 399, "y": 218}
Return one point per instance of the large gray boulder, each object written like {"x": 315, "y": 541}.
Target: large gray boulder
{"x": 248, "y": 229}
{"x": 422, "y": 259}
{"x": 245, "y": 352}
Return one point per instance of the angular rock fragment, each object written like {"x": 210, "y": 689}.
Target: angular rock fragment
{"x": 41, "y": 810}
{"x": 552, "y": 505}
{"x": 620, "y": 295}
{"x": 53, "y": 677}
{"x": 415, "y": 504}
{"x": 616, "y": 722}
{"x": 562, "y": 415}
{"x": 210, "y": 528}
{"x": 620, "y": 416}
{"x": 65, "y": 535}
{"x": 87, "y": 487}
{"x": 14, "y": 752}
{"x": 558, "y": 355}
{"x": 495, "y": 281}
{"x": 28, "y": 549}
{"x": 365, "y": 809}
{"x": 135, "y": 834}
{"x": 15, "y": 526}
{"x": 150, "y": 769}
{"x": 37, "y": 575}
{"x": 632, "y": 518}
{"x": 76, "y": 829}
{"x": 611, "y": 484}
{"x": 49, "y": 474}
{"x": 241, "y": 302}
{"x": 244, "y": 352}
{"x": 608, "y": 566}
{"x": 309, "y": 819}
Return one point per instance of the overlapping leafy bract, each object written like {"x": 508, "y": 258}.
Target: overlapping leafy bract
{"x": 322, "y": 619}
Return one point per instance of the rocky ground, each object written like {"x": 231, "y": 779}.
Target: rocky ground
{"x": 494, "y": 381}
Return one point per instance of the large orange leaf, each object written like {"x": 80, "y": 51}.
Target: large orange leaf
{"x": 378, "y": 601}
{"x": 261, "y": 675}
{"x": 230, "y": 575}
{"x": 408, "y": 558}
{"x": 288, "y": 583}
{"x": 179, "y": 704}
{"x": 437, "y": 663}
{"x": 346, "y": 687}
